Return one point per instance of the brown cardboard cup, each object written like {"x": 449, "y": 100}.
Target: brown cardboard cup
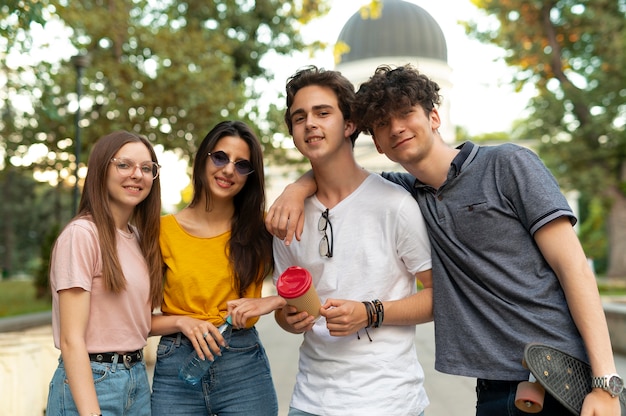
{"x": 295, "y": 285}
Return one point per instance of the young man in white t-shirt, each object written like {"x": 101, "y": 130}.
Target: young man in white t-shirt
{"x": 366, "y": 247}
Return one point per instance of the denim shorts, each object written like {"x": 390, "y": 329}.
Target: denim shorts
{"x": 237, "y": 383}
{"x": 121, "y": 390}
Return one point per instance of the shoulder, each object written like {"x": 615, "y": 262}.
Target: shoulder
{"x": 392, "y": 197}
{"x": 508, "y": 150}
{"x": 386, "y": 188}
{"x": 403, "y": 179}
{"x": 79, "y": 227}
{"x": 168, "y": 221}
{"x": 79, "y": 235}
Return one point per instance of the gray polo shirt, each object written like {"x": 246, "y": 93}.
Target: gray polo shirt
{"x": 493, "y": 290}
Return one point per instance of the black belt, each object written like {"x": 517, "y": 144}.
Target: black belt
{"x": 109, "y": 357}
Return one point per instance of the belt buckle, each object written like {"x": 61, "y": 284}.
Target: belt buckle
{"x": 126, "y": 358}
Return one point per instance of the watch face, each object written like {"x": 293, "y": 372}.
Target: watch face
{"x": 616, "y": 385}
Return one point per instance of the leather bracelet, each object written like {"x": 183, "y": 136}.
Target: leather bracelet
{"x": 380, "y": 313}
{"x": 369, "y": 309}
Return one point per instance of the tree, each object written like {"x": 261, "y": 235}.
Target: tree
{"x": 573, "y": 51}
{"x": 169, "y": 70}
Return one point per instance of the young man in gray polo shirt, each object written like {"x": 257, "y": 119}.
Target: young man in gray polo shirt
{"x": 508, "y": 268}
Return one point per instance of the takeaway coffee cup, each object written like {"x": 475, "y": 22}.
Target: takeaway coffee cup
{"x": 295, "y": 285}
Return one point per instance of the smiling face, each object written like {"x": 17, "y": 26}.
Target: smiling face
{"x": 128, "y": 187}
{"x": 224, "y": 181}
{"x": 318, "y": 124}
{"x": 407, "y": 136}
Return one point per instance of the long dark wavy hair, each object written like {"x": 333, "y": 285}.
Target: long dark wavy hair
{"x": 95, "y": 203}
{"x": 250, "y": 247}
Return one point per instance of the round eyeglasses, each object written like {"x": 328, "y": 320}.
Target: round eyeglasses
{"x": 126, "y": 167}
{"x": 221, "y": 159}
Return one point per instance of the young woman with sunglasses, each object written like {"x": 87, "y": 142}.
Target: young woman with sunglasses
{"x": 105, "y": 275}
{"x": 217, "y": 253}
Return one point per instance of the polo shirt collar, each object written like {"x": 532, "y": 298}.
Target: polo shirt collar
{"x": 468, "y": 151}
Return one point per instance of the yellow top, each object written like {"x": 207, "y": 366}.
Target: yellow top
{"x": 198, "y": 276}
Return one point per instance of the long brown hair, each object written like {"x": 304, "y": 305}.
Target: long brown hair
{"x": 250, "y": 247}
{"x": 95, "y": 203}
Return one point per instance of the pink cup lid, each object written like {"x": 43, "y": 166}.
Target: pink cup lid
{"x": 294, "y": 282}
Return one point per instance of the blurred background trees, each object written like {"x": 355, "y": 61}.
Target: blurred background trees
{"x": 574, "y": 53}
{"x": 168, "y": 70}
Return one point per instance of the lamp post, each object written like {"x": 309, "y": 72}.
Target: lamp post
{"x": 80, "y": 62}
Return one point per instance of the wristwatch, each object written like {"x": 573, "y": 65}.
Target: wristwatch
{"x": 611, "y": 383}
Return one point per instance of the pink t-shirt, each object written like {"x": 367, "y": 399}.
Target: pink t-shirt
{"x": 117, "y": 322}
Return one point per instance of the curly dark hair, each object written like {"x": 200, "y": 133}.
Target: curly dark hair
{"x": 390, "y": 91}
{"x": 311, "y": 75}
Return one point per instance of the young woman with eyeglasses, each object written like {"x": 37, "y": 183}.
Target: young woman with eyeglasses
{"x": 217, "y": 253}
{"x": 105, "y": 276}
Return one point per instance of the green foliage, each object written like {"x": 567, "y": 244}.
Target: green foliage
{"x": 16, "y": 15}
{"x": 42, "y": 276}
{"x": 593, "y": 232}
{"x": 573, "y": 52}
{"x": 28, "y": 213}
{"x": 492, "y": 137}
{"x": 167, "y": 70}
{"x": 17, "y": 297}
{"x": 164, "y": 69}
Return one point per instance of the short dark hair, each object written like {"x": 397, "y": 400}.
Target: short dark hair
{"x": 390, "y": 91}
{"x": 311, "y": 75}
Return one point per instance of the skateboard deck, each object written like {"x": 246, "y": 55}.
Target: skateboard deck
{"x": 565, "y": 377}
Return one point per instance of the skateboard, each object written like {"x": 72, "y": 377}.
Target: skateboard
{"x": 566, "y": 378}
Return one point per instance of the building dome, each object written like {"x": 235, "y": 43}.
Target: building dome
{"x": 398, "y": 28}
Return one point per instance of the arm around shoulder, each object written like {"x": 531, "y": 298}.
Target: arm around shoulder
{"x": 285, "y": 217}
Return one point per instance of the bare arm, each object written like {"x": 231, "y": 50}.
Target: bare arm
{"x": 562, "y": 250}
{"x": 74, "y": 307}
{"x": 345, "y": 317}
{"x": 192, "y": 328}
{"x": 285, "y": 217}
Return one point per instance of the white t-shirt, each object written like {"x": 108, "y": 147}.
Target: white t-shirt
{"x": 380, "y": 242}
{"x": 118, "y": 322}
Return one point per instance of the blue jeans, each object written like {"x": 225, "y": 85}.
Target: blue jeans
{"x": 498, "y": 398}
{"x": 120, "y": 390}
{"x": 238, "y": 383}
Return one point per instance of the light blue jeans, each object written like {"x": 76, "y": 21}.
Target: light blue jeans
{"x": 120, "y": 390}
{"x": 239, "y": 383}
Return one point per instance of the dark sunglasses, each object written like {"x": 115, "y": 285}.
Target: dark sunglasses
{"x": 220, "y": 159}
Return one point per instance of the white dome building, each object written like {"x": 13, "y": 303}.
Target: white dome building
{"x": 394, "y": 32}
